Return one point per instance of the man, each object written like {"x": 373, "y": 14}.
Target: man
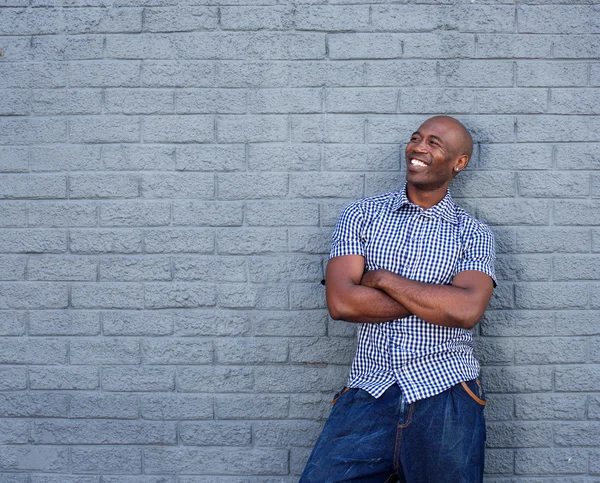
{"x": 417, "y": 272}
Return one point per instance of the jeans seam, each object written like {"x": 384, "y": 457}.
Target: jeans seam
{"x": 472, "y": 394}
{"x": 399, "y": 437}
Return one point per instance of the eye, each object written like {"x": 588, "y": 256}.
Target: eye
{"x": 434, "y": 143}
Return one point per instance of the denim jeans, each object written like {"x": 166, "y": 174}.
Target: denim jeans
{"x": 435, "y": 440}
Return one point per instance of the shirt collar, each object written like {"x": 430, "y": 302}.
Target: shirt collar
{"x": 444, "y": 209}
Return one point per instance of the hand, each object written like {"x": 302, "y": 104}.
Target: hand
{"x": 373, "y": 278}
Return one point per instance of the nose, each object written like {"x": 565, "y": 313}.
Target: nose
{"x": 420, "y": 147}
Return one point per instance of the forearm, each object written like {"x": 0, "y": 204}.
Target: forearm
{"x": 358, "y": 303}
{"x": 438, "y": 304}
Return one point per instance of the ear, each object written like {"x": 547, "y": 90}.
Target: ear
{"x": 461, "y": 163}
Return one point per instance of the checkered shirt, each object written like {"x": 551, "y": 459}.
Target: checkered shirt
{"x": 429, "y": 246}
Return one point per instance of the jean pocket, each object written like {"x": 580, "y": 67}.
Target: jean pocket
{"x": 474, "y": 390}
{"x": 339, "y": 394}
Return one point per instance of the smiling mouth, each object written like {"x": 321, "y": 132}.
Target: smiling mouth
{"x": 417, "y": 162}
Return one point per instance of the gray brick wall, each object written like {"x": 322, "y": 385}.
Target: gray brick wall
{"x": 172, "y": 171}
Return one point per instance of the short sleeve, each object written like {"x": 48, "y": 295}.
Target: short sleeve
{"x": 348, "y": 234}
{"x": 480, "y": 253}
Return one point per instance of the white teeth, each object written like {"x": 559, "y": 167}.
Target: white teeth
{"x": 416, "y": 162}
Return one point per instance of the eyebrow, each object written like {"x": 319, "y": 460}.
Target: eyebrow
{"x": 431, "y": 136}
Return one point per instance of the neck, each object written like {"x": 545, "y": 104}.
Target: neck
{"x": 425, "y": 197}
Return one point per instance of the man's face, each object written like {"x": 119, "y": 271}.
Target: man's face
{"x": 432, "y": 154}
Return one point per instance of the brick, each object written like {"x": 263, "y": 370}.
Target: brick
{"x": 552, "y": 239}
{"x": 551, "y": 296}
{"x": 214, "y": 101}
{"x": 416, "y": 101}
{"x": 207, "y": 213}
{"x": 51, "y": 378}
{"x": 180, "y": 19}
{"x": 177, "y": 351}
{"x": 32, "y": 351}
{"x": 576, "y": 267}
{"x": 557, "y": 73}
{"x": 553, "y": 185}
{"x": 211, "y": 323}
{"x": 552, "y": 351}
{"x": 105, "y": 129}
{"x": 574, "y": 101}
{"x": 514, "y": 100}
{"x": 505, "y": 239}
{"x": 103, "y": 432}
{"x": 577, "y": 434}
{"x": 476, "y": 73}
{"x": 176, "y": 406}
{"x": 577, "y": 323}
{"x": 136, "y": 323}
{"x": 594, "y": 291}
{"x": 14, "y": 160}
{"x": 281, "y": 101}
{"x": 15, "y": 103}
{"x": 512, "y": 46}
{"x": 501, "y": 323}
{"x": 104, "y": 74}
{"x": 13, "y": 214}
{"x": 240, "y": 129}
{"x": 34, "y": 458}
{"x": 178, "y": 129}
{"x": 328, "y": 185}
{"x": 16, "y": 48}
{"x": 307, "y": 296}
{"x": 356, "y": 100}
{"x": 63, "y": 323}
{"x": 549, "y": 406}
{"x": 12, "y": 267}
{"x": 282, "y": 213}
{"x": 20, "y": 131}
{"x": 285, "y": 268}
{"x": 513, "y": 212}
{"x": 65, "y": 158}
{"x": 499, "y": 408}
{"x": 251, "y": 74}
{"x": 422, "y": 18}
{"x": 235, "y": 461}
{"x": 268, "y": 157}
{"x": 102, "y": 405}
{"x": 518, "y": 434}
{"x": 215, "y": 433}
{"x": 581, "y": 212}
{"x": 12, "y": 323}
{"x": 310, "y": 406}
{"x": 135, "y": 213}
{"x": 445, "y": 44}
{"x": 480, "y": 184}
{"x": 61, "y": 268}
{"x": 261, "y": 350}
{"x": 299, "y": 378}
{"x": 138, "y": 379}
{"x": 365, "y": 46}
{"x": 577, "y": 378}
{"x": 179, "y": 241}
{"x": 178, "y": 295}
{"x": 324, "y": 73}
{"x": 330, "y": 350}
{"x": 559, "y": 19}
{"x": 577, "y": 156}
{"x": 105, "y": 241}
{"x": 359, "y": 157}
{"x": 486, "y": 18}
{"x": 593, "y": 408}
{"x": 257, "y": 17}
{"x": 292, "y": 324}
{"x": 286, "y": 433}
{"x": 37, "y": 186}
{"x": 13, "y": 378}
{"x": 104, "y": 351}
{"x": 21, "y": 21}
{"x": 138, "y": 101}
{"x": 310, "y": 240}
{"x": 236, "y": 186}
{"x": 115, "y": 460}
{"x": 222, "y": 269}
{"x": 33, "y": 75}
{"x": 494, "y": 351}
{"x": 214, "y": 378}
{"x": 140, "y": 46}
{"x": 188, "y": 185}
{"x": 595, "y": 74}
{"x": 107, "y": 295}
{"x": 211, "y": 158}
{"x": 180, "y": 73}
{"x": 62, "y": 214}
{"x": 402, "y": 73}
{"x": 103, "y": 186}
{"x": 255, "y": 406}
{"x": 40, "y": 295}
{"x": 332, "y": 128}
{"x": 255, "y": 296}
{"x": 521, "y": 379}
{"x": 75, "y": 47}
{"x": 16, "y": 404}
{"x": 514, "y": 156}
{"x": 330, "y": 213}
{"x": 136, "y": 158}
{"x": 550, "y": 461}
{"x": 573, "y": 46}
{"x": 103, "y": 20}
{"x": 33, "y": 241}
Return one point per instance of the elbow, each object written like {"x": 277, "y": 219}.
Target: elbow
{"x": 338, "y": 310}
{"x": 470, "y": 318}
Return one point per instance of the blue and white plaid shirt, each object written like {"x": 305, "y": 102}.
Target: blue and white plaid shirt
{"x": 429, "y": 246}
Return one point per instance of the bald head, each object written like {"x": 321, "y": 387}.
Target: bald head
{"x": 456, "y": 134}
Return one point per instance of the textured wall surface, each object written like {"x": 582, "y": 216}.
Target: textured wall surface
{"x": 171, "y": 172}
